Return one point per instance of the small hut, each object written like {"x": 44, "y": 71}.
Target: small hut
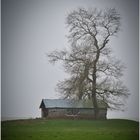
{"x": 66, "y": 108}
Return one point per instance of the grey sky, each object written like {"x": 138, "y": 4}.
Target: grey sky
{"x": 31, "y": 28}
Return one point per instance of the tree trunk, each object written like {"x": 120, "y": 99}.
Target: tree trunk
{"x": 94, "y": 98}
{"x": 95, "y": 104}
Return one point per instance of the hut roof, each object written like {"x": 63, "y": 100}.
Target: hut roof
{"x": 67, "y": 103}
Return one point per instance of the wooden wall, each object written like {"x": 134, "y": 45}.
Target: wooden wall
{"x": 80, "y": 113}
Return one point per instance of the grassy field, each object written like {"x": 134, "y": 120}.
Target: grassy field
{"x": 69, "y": 130}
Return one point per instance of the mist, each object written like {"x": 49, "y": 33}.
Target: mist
{"x": 32, "y": 28}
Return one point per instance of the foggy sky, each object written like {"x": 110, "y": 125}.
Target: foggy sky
{"x": 32, "y": 28}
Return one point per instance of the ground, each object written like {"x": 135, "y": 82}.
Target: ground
{"x": 38, "y": 129}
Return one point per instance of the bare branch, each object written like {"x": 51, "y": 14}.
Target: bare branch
{"x": 94, "y": 74}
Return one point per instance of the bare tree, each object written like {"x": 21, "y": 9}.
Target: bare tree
{"x": 94, "y": 73}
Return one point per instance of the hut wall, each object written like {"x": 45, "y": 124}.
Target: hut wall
{"x": 74, "y": 112}
{"x": 89, "y": 113}
{"x": 44, "y": 112}
{"x": 56, "y": 112}
{"x": 102, "y": 114}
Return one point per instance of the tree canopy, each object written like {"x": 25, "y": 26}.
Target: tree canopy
{"x": 94, "y": 73}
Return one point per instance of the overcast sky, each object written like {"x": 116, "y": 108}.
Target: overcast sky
{"x": 32, "y": 28}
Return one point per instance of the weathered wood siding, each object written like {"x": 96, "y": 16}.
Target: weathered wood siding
{"x": 44, "y": 112}
{"x": 73, "y": 112}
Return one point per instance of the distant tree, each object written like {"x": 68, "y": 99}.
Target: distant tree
{"x": 94, "y": 73}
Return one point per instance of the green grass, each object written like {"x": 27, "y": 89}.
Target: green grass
{"x": 70, "y": 130}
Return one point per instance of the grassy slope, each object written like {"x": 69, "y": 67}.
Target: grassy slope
{"x": 70, "y": 130}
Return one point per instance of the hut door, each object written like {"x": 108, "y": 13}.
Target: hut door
{"x": 44, "y": 112}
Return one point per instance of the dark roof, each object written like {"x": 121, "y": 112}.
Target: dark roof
{"x": 67, "y": 103}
